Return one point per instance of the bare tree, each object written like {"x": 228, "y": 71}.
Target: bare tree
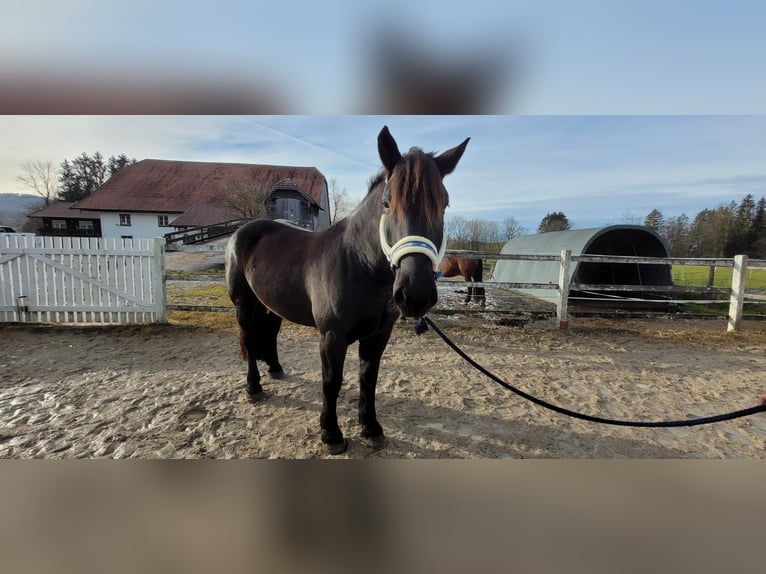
{"x": 456, "y": 228}
{"x": 631, "y": 218}
{"x": 677, "y": 235}
{"x": 247, "y": 199}
{"x": 511, "y": 228}
{"x": 40, "y": 178}
{"x": 340, "y": 203}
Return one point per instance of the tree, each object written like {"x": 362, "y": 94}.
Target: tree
{"x": 710, "y": 232}
{"x": 757, "y": 248}
{"x": 655, "y": 220}
{"x": 555, "y": 221}
{"x": 457, "y": 232}
{"x": 247, "y": 199}
{"x": 85, "y": 174}
{"x": 740, "y": 238}
{"x": 631, "y": 218}
{"x": 677, "y": 236}
{"x": 39, "y": 177}
{"x": 81, "y": 177}
{"x": 115, "y": 164}
{"x": 511, "y": 228}
{"x": 481, "y": 233}
{"x": 340, "y": 203}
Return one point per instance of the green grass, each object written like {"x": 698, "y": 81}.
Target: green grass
{"x": 697, "y": 275}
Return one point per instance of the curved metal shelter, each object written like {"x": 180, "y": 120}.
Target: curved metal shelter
{"x": 621, "y": 240}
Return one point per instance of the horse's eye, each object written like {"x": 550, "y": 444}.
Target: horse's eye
{"x": 386, "y": 204}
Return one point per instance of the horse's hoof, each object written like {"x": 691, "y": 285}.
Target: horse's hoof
{"x": 375, "y": 442}
{"x": 278, "y": 374}
{"x": 256, "y": 398}
{"x": 336, "y": 448}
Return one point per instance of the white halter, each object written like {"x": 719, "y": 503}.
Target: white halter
{"x": 411, "y": 244}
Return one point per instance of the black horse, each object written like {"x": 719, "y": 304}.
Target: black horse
{"x": 350, "y": 281}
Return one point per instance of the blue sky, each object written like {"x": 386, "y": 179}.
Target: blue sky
{"x": 607, "y": 108}
{"x": 598, "y": 170}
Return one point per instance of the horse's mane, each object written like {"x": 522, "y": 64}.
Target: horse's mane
{"x": 415, "y": 182}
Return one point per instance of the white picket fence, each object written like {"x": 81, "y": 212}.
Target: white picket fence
{"x": 81, "y": 280}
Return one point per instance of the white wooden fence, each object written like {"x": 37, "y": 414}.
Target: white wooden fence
{"x": 81, "y": 280}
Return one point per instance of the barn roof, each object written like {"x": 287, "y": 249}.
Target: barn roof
{"x": 62, "y": 209}
{"x": 635, "y": 240}
{"x": 166, "y": 186}
{"x": 201, "y": 215}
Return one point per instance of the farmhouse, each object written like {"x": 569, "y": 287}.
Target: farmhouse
{"x": 154, "y": 197}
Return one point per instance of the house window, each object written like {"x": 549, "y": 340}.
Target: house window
{"x": 59, "y": 224}
{"x": 84, "y": 225}
{"x": 162, "y": 220}
{"x": 125, "y": 219}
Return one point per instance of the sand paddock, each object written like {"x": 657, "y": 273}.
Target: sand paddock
{"x": 176, "y": 391}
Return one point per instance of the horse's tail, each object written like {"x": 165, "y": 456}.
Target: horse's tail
{"x": 236, "y": 285}
{"x": 478, "y": 272}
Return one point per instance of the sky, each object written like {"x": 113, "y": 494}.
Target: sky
{"x": 602, "y": 109}
{"x": 550, "y": 56}
{"x": 598, "y": 170}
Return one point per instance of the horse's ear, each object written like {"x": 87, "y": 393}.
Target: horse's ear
{"x": 447, "y": 161}
{"x": 388, "y": 150}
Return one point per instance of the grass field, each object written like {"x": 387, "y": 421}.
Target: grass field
{"x": 697, "y": 275}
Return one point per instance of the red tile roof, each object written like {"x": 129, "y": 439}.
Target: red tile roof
{"x": 175, "y": 186}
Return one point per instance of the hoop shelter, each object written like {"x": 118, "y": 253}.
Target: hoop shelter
{"x": 620, "y": 240}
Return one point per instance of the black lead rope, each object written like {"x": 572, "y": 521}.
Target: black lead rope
{"x": 422, "y": 324}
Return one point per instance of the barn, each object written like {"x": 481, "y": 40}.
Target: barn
{"x": 152, "y": 197}
{"x": 619, "y": 240}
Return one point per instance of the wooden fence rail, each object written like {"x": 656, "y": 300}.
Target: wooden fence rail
{"x": 737, "y": 292}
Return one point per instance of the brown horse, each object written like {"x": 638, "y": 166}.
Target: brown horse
{"x": 470, "y": 270}
{"x": 350, "y": 281}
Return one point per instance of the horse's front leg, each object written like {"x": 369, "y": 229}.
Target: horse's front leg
{"x": 332, "y": 350}
{"x": 469, "y": 292}
{"x": 370, "y": 353}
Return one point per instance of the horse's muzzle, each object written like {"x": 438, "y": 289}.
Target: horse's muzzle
{"x": 415, "y": 286}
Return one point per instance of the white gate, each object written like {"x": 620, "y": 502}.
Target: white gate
{"x": 81, "y": 280}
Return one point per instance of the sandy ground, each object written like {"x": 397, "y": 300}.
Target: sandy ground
{"x": 174, "y": 391}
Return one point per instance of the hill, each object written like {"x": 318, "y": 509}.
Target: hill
{"x": 14, "y": 208}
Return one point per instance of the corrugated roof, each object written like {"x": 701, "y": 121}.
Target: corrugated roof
{"x": 175, "y": 186}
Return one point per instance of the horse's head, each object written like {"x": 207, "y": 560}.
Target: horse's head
{"x": 412, "y": 225}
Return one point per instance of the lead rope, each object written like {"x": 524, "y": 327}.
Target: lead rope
{"x": 422, "y": 324}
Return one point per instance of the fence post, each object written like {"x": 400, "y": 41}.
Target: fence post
{"x": 737, "y": 292}
{"x": 711, "y": 276}
{"x": 561, "y": 308}
{"x": 158, "y": 278}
